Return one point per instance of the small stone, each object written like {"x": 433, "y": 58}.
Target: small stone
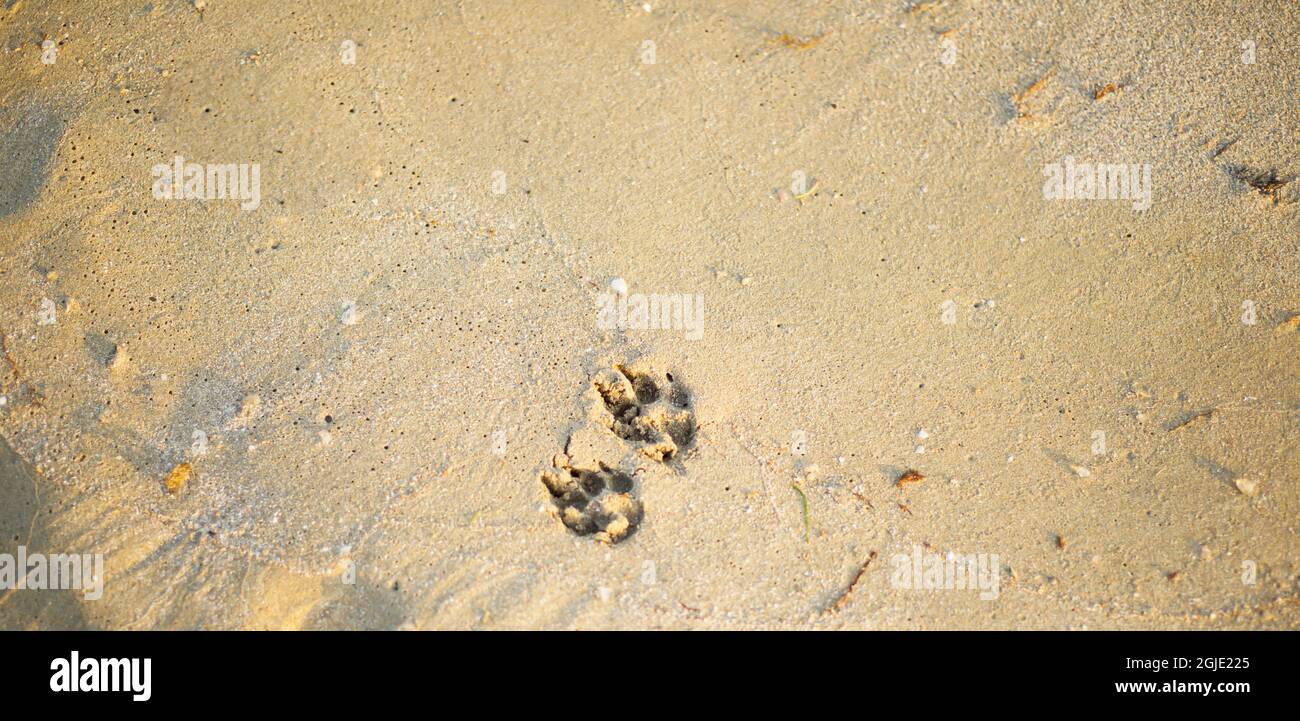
{"x": 746, "y": 280}
{"x": 1248, "y": 486}
{"x": 1081, "y": 471}
{"x": 618, "y": 285}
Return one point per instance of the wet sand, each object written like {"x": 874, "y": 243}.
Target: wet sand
{"x": 385, "y": 394}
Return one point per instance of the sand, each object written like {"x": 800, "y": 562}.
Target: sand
{"x": 337, "y": 406}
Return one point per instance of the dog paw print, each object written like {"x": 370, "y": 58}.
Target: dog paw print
{"x": 598, "y": 502}
{"x": 634, "y": 413}
{"x": 648, "y": 409}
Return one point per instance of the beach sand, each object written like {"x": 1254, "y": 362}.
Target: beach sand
{"x": 385, "y": 395}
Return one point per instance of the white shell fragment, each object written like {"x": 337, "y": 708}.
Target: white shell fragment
{"x": 350, "y": 314}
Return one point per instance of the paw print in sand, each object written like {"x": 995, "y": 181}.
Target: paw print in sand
{"x": 646, "y": 408}
{"x": 634, "y": 413}
{"x": 596, "y": 502}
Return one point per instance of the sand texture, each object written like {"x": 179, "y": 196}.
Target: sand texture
{"x": 410, "y": 386}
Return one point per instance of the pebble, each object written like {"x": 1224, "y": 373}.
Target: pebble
{"x": 350, "y": 313}
{"x": 618, "y": 285}
{"x": 1247, "y": 486}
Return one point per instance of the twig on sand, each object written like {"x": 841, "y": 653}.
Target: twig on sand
{"x": 1104, "y": 90}
{"x": 791, "y": 41}
{"x": 1019, "y": 98}
{"x": 1190, "y": 419}
{"x": 865, "y": 500}
{"x": 857, "y": 578}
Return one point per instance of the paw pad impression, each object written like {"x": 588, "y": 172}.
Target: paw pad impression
{"x": 634, "y": 412}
